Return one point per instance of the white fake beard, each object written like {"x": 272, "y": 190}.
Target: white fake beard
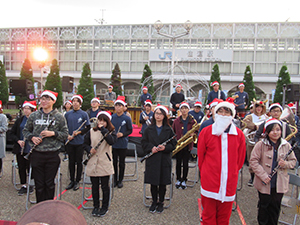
{"x": 221, "y": 123}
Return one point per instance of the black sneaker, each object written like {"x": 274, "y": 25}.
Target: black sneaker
{"x": 250, "y": 183}
{"x": 31, "y": 189}
{"x": 120, "y": 184}
{"x": 22, "y": 191}
{"x": 178, "y": 184}
{"x": 71, "y": 185}
{"x": 76, "y": 186}
{"x": 102, "y": 212}
{"x": 95, "y": 211}
{"x": 115, "y": 183}
{"x": 183, "y": 185}
{"x": 152, "y": 208}
{"x": 160, "y": 207}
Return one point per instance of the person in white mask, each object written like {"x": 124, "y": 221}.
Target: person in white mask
{"x": 221, "y": 155}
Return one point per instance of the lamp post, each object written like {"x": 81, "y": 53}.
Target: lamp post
{"x": 41, "y": 55}
{"x": 158, "y": 25}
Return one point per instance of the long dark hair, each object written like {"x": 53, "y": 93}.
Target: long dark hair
{"x": 165, "y": 121}
{"x": 109, "y": 127}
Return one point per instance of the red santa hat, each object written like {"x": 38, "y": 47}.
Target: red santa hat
{"x": 271, "y": 121}
{"x": 31, "y": 104}
{"x": 178, "y": 85}
{"x": 292, "y": 105}
{"x": 51, "y": 94}
{"x": 162, "y": 108}
{"x": 198, "y": 103}
{"x": 106, "y": 113}
{"x": 110, "y": 86}
{"x": 215, "y": 102}
{"x": 275, "y": 105}
{"x": 0, "y": 104}
{"x": 229, "y": 103}
{"x": 184, "y": 104}
{"x": 79, "y": 97}
{"x": 241, "y": 85}
{"x": 148, "y": 102}
{"x": 145, "y": 88}
{"x": 95, "y": 99}
{"x": 214, "y": 83}
{"x": 121, "y": 100}
{"x": 68, "y": 101}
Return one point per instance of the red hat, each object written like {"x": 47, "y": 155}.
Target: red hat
{"x": 121, "y": 99}
{"x": 148, "y": 102}
{"x": 145, "y": 88}
{"x": 198, "y": 103}
{"x": 31, "y": 104}
{"x": 51, "y": 94}
{"x": 164, "y": 108}
{"x": 229, "y": 103}
{"x": 184, "y": 104}
{"x": 275, "y": 105}
{"x": 77, "y": 96}
{"x": 214, "y": 83}
{"x": 178, "y": 85}
{"x": 292, "y": 105}
{"x": 110, "y": 86}
{"x": 106, "y": 113}
{"x": 241, "y": 85}
{"x": 0, "y": 104}
{"x": 271, "y": 121}
{"x": 215, "y": 102}
{"x": 68, "y": 101}
{"x": 95, "y": 99}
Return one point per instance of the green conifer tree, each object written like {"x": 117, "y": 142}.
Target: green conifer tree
{"x": 249, "y": 84}
{"x": 283, "y": 78}
{"x": 53, "y": 83}
{"x": 116, "y": 81}
{"x": 3, "y": 84}
{"x": 25, "y": 74}
{"x": 86, "y": 87}
{"x": 148, "y": 82}
{"x": 215, "y": 76}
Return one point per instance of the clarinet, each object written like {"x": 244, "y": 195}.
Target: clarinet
{"x": 34, "y": 147}
{"x": 96, "y": 147}
{"x": 151, "y": 153}
{"x": 76, "y": 131}
{"x": 22, "y": 149}
{"x": 278, "y": 166}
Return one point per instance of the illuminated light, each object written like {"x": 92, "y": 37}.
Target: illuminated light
{"x": 40, "y": 54}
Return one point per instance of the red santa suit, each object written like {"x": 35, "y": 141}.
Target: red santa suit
{"x": 220, "y": 159}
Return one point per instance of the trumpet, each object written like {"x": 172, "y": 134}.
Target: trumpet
{"x": 148, "y": 122}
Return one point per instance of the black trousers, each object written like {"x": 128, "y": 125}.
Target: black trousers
{"x": 1, "y": 165}
{"x": 269, "y": 207}
{"x": 44, "y": 168}
{"x": 119, "y": 155}
{"x": 23, "y": 165}
{"x": 96, "y": 181}
{"x": 158, "y": 191}
{"x": 75, "y": 153}
{"x": 182, "y": 158}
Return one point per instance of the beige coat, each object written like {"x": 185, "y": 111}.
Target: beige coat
{"x": 101, "y": 163}
{"x": 261, "y": 163}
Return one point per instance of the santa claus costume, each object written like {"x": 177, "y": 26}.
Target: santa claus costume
{"x": 221, "y": 155}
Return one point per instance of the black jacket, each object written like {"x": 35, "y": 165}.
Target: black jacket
{"x": 15, "y": 135}
{"x": 159, "y": 165}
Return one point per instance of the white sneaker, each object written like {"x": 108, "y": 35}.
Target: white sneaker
{"x": 177, "y": 185}
{"x": 183, "y": 185}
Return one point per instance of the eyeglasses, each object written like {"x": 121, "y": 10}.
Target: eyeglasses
{"x": 159, "y": 114}
{"x": 256, "y": 105}
{"x": 45, "y": 99}
{"x": 276, "y": 111}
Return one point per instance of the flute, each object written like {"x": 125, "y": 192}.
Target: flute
{"x": 96, "y": 147}
{"x": 151, "y": 153}
{"x": 33, "y": 148}
{"x": 278, "y": 166}
{"x": 75, "y": 131}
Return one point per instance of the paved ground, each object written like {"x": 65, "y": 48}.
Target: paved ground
{"x": 127, "y": 203}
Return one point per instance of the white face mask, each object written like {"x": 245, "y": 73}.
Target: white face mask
{"x": 221, "y": 123}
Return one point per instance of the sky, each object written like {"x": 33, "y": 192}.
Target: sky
{"x": 45, "y": 13}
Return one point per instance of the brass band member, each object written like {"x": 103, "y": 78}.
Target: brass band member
{"x": 241, "y": 102}
{"x": 158, "y": 167}
{"x": 3, "y": 129}
{"x": 95, "y": 108}
{"x": 176, "y": 99}
{"x": 45, "y": 159}
{"x": 180, "y": 126}
{"x": 258, "y": 115}
{"x": 215, "y": 93}
{"x": 146, "y": 116}
{"x": 100, "y": 165}
{"x": 22, "y": 146}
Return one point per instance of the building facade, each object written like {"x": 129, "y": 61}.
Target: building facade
{"x": 265, "y": 47}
